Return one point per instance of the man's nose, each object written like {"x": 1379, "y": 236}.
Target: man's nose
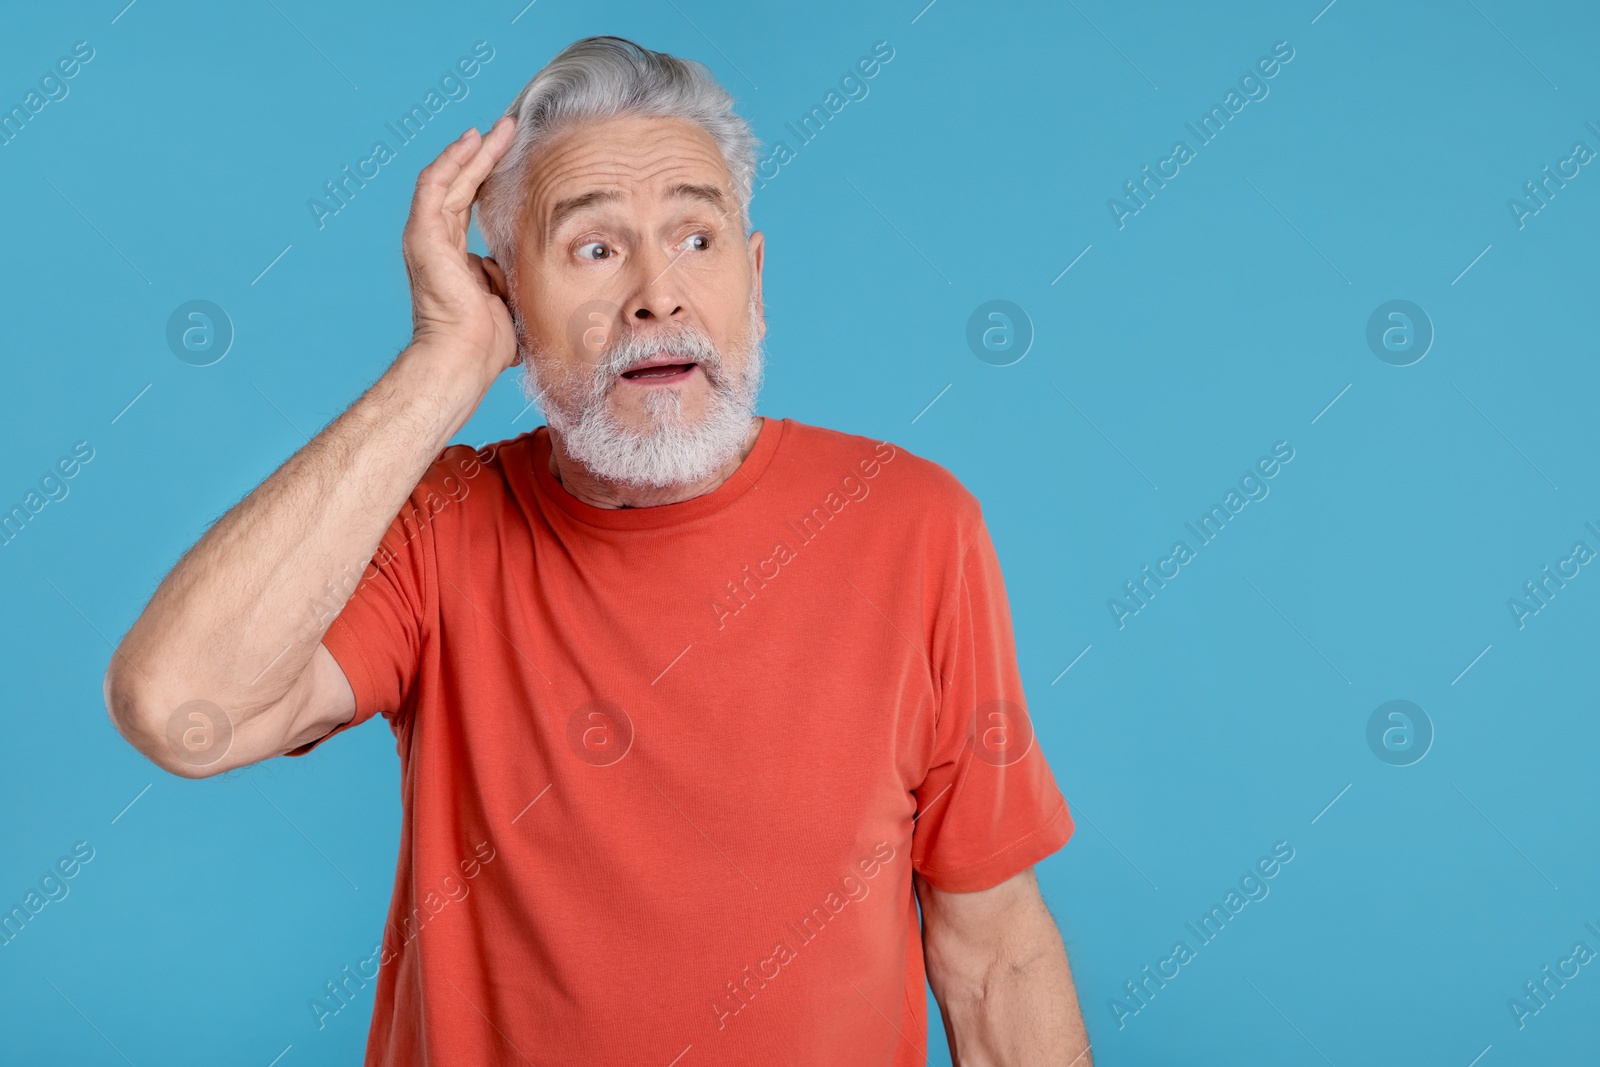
{"x": 657, "y": 294}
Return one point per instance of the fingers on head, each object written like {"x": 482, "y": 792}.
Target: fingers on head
{"x": 434, "y": 181}
{"x": 464, "y": 186}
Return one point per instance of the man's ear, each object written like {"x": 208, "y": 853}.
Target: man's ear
{"x": 757, "y": 246}
{"x": 501, "y": 288}
{"x": 497, "y": 281}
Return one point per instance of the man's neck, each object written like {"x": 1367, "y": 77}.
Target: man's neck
{"x": 598, "y": 492}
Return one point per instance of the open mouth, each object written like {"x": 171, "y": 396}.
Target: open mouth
{"x": 660, "y": 373}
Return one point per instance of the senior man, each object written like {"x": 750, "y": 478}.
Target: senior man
{"x": 692, "y": 706}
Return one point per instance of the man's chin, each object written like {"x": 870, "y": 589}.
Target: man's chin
{"x": 643, "y": 410}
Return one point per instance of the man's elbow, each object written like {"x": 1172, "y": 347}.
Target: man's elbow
{"x": 157, "y": 730}
{"x": 978, "y": 944}
{"x": 977, "y": 976}
{"x": 964, "y": 968}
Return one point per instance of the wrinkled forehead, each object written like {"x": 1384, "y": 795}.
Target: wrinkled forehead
{"x": 624, "y": 166}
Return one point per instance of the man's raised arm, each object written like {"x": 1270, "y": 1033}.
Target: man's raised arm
{"x": 227, "y": 628}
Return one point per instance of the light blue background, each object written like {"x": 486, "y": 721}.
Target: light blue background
{"x": 1222, "y": 318}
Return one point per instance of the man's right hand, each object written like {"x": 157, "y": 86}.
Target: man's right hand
{"x": 454, "y": 308}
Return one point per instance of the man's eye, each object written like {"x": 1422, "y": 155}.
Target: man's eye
{"x": 688, "y": 245}
{"x": 593, "y": 250}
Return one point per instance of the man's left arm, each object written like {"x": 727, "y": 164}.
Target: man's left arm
{"x": 999, "y": 971}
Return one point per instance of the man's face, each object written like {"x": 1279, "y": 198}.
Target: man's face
{"x": 639, "y": 299}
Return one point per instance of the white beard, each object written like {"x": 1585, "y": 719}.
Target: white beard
{"x": 671, "y": 451}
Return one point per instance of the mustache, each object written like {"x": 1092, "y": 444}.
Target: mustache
{"x": 633, "y": 348}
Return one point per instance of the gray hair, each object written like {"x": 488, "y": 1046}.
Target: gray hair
{"x": 599, "y": 78}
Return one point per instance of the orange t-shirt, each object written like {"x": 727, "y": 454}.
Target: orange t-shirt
{"x": 666, "y": 771}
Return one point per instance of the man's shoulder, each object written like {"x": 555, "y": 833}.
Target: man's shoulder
{"x": 491, "y": 451}
{"x": 915, "y": 479}
{"x": 461, "y": 467}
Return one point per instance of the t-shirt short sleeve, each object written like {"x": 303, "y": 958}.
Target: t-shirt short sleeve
{"x": 377, "y": 638}
{"x": 989, "y": 806}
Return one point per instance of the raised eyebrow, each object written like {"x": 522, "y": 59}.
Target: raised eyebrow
{"x": 570, "y": 206}
{"x": 708, "y": 194}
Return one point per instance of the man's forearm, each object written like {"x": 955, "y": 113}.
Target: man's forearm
{"x": 999, "y": 970}
{"x": 1022, "y": 1013}
{"x": 230, "y": 624}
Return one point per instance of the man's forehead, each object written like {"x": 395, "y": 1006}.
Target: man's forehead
{"x": 567, "y": 207}
{"x": 627, "y": 158}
